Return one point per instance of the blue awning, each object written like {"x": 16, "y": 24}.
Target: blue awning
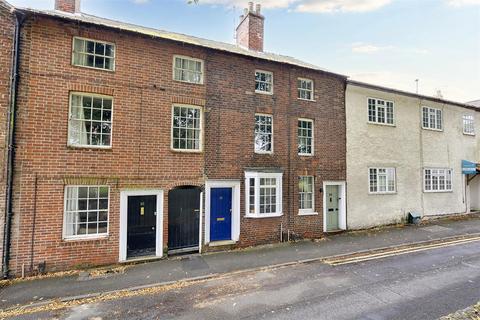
{"x": 469, "y": 167}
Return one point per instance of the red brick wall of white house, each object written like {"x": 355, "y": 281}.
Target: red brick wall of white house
{"x": 7, "y": 30}
{"x": 143, "y": 92}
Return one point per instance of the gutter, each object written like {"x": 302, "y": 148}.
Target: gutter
{"x": 19, "y": 19}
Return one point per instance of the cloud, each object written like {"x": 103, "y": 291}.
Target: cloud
{"x": 270, "y": 4}
{"x": 328, "y": 6}
{"x": 313, "y": 6}
{"x": 366, "y": 48}
{"x": 461, "y": 3}
{"x": 360, "y": 47}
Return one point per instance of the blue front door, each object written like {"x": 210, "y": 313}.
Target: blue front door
{"x": 220, "y": 214}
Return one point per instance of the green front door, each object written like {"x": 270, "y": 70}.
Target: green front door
{"x": 332, "y": 201}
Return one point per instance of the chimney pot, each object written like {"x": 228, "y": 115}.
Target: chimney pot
{"x": 258, "y": 8}
{"x": 250, "y": 6}
{"x": 70, "y": 6}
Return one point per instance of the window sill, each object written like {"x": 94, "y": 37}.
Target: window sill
{"x": 382, "y": 193}
{"x": 300, "y": 213}
{"x": 382, "y": 124}
{"x": 264, "y": 92}
{"x": 264, "y": 152}
{"x": 431, "y": 129}
{"x": 260, "y": 216}
{"x": 308, "y": 100}
{"x": 438, "y": 191}
{"x": 306, "y": 154}
{"x": 469, "y": 134}
{"x": 188, "y": 82}
{"x": 186, "y": 150}
{"x": 72, "y": 146}
{"x": 93, "y": 68}
{"x": 86, "y": 238}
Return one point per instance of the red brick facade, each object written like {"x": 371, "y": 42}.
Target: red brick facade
{"x": 7, "y": 30}
{"x": 141, "y": 158}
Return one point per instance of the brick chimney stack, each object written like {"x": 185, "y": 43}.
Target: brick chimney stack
{"x": 70, "y": 6}
{"x": 250, "y": 30}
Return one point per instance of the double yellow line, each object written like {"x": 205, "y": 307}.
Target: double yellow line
{"x": 384, "y": 253}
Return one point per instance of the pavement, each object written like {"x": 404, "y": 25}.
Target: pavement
{"x": 214, "y": 264}
{"x": 422, "y": 285}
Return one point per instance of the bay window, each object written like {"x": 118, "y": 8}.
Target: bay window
{"x": 263, "y": 194}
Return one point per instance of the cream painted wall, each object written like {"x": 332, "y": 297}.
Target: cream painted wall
{"x": 408, "y": 148}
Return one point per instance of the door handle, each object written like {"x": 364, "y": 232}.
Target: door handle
{"x": 153, "y": 228}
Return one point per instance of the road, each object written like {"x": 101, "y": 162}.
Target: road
{"x": 421, "y": 285}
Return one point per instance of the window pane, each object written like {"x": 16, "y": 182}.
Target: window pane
{"x": 187, "y": 70}
{"x": 263, "y": 133}
{"x": 186, "y": 128}
{"x": 81, "y": 211}
{"x": 305, "y": 186}
{"x": 263, "y": 81}
{"x": 95, "y": 54}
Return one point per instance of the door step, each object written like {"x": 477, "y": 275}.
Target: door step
{"x": 183, "y": 250}
{"x": 221, "y": 243}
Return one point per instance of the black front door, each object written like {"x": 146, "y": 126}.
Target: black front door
{"x": 141, "y": 228}
{"x": 183, "y": 218}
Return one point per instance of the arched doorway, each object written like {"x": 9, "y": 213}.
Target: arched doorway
{"x": 183, "y": 219}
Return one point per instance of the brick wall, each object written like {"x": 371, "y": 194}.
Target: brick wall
{"x": 7, "y": 29}
{"x": 143, "y": 92}
{"x": 230, "y": 121}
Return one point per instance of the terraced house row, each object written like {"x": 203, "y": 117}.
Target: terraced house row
{"x": 124, "y": 142}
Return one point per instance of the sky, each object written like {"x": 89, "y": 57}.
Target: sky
{"x": 385, "y": 42}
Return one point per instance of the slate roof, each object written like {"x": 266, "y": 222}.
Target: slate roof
{"x": 178, "y": 37}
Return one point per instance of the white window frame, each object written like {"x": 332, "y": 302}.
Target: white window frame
{"x": 313, "y": 137}
{"x": 114, "y": 57}
{"x": 446, "y": 172}
{"x": 88, "y": 146}
{"x": 257, "y": 176}
{"x": 385, "y": 112}
{"x": 271, "y": 135}
{"x": 88, "y": 236}
{"x": 308, "y": 211}
{"x": 429, "y": 112}
{"x": 468, "y": 122}
{"x": 202, "y": 63}
{"x": 271, "y": 84}
{"x": 312, "y": 92}
{"x": 201, "y": 128}
{"x": 387, "y": 169}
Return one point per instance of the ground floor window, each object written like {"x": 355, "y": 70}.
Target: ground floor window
{"x": 86, "y": 211}
{"x": 263, "y": 194}
{"x": 305, "y": 189}
{"x": 437, "y": 180}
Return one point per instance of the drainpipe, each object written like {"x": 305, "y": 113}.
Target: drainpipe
{"x": 19, "y": 18}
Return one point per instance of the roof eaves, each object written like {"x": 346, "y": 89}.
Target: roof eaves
{"x": 410, "y": 94}
{"x": 177, "y": 37}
